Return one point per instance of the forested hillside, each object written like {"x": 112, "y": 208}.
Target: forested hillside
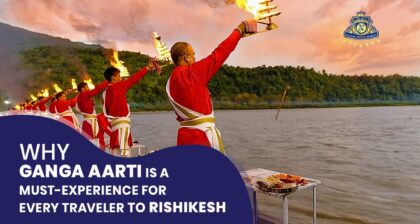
{"x": 232, "y": 87}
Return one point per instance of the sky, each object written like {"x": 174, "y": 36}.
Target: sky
{"x": 310, "y": 32}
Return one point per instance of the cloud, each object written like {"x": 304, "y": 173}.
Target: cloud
{"x": 384, "y": 64}
{"x": 96, "y": 21}
{"x": 393, "y": 54}
{"x": 375, "y": 5}
{"x": 328, "y": 8}
{"x": 310, "y": 32}
{"x": 410, "y": 29}
{"x": 411, "y": 5}
{"x": 211, "y": 3}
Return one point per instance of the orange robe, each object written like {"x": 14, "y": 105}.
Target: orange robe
{"x": 86, "y": 106}
{"x": 41, "y": 104}
{"x": 51, "y": 108}
{"x": 103, "y": 128}
{"x": 67, "y": 116}
{"x": 117, "y": 108}
{"x": 187, "y": 86}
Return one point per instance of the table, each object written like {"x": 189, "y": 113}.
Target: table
{"x": 252, "y": 176}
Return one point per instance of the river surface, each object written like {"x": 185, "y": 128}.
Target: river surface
{"x": 368, "y": 159}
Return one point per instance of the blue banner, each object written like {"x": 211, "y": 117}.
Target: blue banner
{"x": 52, "y": 174}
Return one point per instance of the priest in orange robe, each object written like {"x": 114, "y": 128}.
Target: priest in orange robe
{"x": 188, "y": 92}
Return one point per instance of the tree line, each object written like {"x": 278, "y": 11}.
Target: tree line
{"x": 232, "y": 87}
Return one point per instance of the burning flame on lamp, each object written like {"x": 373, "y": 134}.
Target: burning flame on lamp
{"x": 73, "y": 84}
{"x": 57, "y": 88}
{"x": 162, "y": 49}
{"x": 45, "y": 93}
{"x": 262, "y": 10}
{"x": 33, "y": 97}
{"x": 89, "y": 83}
{"x": 118, "y": 64}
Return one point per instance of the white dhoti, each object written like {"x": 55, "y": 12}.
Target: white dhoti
{"x": 196, "y": 120}
{"x": 122, "y": 125}
{"x": 70, "y": 113}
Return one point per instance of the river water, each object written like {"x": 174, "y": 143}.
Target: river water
{"x": 368, "y": 159}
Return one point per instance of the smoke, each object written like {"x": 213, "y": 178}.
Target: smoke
{"x": 109, "y": 55}
{"x": 80, "y": 66}
{"x": 102, "y": 22}
{"x": 11, "y": 72}
{"x": 13, "y": 76}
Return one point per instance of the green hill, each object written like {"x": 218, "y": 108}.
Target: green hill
{"x": 232, "y": 87}
{"x": 13, "y": 76}
{"x": 33, "y": 61}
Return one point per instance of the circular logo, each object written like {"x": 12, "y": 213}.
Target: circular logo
{"x": 361, "y": 28}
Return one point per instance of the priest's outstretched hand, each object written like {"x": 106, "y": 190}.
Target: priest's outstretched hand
{"x": 248, "y": 26}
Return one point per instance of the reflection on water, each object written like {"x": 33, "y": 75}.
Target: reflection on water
{"x": 368, "y": 159}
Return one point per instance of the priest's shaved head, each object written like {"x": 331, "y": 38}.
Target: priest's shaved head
{"x": 182, "y": 53}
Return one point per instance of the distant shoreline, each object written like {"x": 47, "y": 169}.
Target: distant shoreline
{"x": 165, "y": 108}
{"x": 168, "y": 108}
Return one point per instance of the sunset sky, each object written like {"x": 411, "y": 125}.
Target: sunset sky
{"x": 310, "y": 33}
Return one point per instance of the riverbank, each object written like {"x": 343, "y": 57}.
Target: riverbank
{"x": 287, "y": 105}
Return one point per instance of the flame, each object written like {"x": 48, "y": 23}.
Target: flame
{"x": 119, "y": 64}
{"x": 57, "y": 88}
{"x": 33, "y": 97}
{"x": 89, "y": 83}
{"x": 73, "y": 84}
{"x": 259, "y": 8}
{"x": 17, "y": 107}
{"x": 164, "y": 54}
{"x": 45, "y": 93}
